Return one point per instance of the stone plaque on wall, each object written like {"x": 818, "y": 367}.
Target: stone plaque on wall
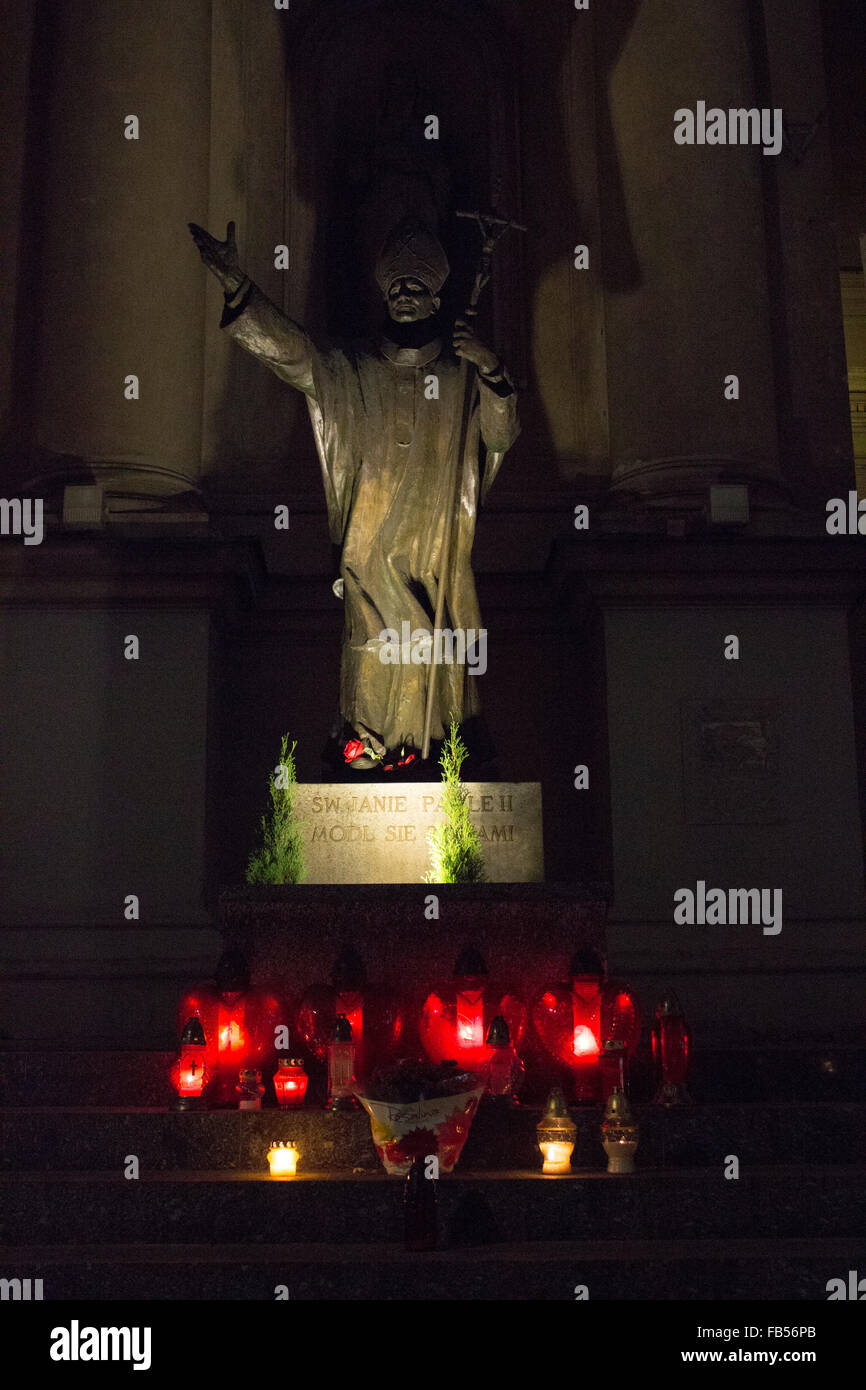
{"x": 731, "y": 754}
{"x": 376, "y": 832}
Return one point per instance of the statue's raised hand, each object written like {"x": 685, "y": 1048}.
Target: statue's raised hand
{"x": 220, "y": 257}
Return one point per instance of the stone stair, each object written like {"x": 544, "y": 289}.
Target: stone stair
{"x": 204, "y": 1220}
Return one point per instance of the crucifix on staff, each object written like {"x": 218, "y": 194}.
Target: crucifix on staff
{"x": 492, "y": 227}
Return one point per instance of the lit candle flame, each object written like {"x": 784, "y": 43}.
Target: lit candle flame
{"x": 557, "y": 1157}
{"x": 585, "y": 1041}
{"x": 231, "y": 1038}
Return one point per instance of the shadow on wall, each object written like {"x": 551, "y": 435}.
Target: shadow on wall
{"x": 620, "y": 269}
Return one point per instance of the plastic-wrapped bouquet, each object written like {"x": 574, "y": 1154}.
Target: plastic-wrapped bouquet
{"x": 420, "y": 1108}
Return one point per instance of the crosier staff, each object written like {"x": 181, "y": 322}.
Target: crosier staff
{"x": 492, "y": 227}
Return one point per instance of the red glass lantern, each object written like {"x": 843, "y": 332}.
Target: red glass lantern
{"x": 189, "y": 1070}
{"x": 290, "y": 1082}
{"x": 575, "y": 1018}
{"x": 612, "y": 1065}
{"x": 239, "y": 1024}
{"x": 670, "y": 1041}
{"x": 504, "y": 1073}
{"x": 372, "y": 1012}
{"x": 455, "y": 1020}
{"x": 341, "y": 1068}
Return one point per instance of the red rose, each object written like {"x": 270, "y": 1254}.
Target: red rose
{"x": 353, "y": 749}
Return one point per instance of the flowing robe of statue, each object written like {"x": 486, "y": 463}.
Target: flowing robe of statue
{"x": 384, "y": 443}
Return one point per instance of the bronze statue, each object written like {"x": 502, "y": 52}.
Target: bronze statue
{"x": 387, "y": 418}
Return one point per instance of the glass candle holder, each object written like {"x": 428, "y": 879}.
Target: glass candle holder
{"x": 290, "y": 1082}
{"x": 341, "y": 1068}
{"x": 283, "y": 1160}
{"x": 613, "y": 1059}
{"x": 190, "y": 1069}
{"x": 619, "y": 1134}
{"x": 504, "y": 1073}
{"x": 456, "y": 1017}
{"x": 670, "y": 1044}
{"x": 556, "y": 1131}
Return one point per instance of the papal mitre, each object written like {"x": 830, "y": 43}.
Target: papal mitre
{"x": 411, "y": 248}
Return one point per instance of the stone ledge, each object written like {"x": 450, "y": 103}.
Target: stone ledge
{"x": 230, "y": 1140}
{"x": 474, "y": 1208}
{"x": 527, "y": 932}
{"x": 620, "y": 1271}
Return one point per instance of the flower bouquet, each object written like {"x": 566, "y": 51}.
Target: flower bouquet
{"x": 420, "y": 1108}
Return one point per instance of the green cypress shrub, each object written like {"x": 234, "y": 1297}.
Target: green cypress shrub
{"x": 279, "y": 858}
{"x": 455, "y": 845}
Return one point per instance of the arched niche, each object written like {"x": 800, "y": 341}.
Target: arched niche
{"x": 299, "y": 98}
{"x": 361, "y": 80}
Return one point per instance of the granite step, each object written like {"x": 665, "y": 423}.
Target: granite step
{"x": 821, "y": 1072}
{"x": 621, "y": 1270}
{"x": 43, "y": 1076}
{"x": 93, "y": 1138}
{"x": 474, "y": 1208}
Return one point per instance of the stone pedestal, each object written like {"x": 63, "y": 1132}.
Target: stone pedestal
{"x": 526, "y": 932}
{"x": 377, "y": 832}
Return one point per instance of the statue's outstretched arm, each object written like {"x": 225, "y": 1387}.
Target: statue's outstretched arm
{"x": 252, "y": 319}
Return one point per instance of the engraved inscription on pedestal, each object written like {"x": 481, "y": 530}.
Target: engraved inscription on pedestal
{"x": 377, "y": 832}
{"x": 731, "y": 753}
